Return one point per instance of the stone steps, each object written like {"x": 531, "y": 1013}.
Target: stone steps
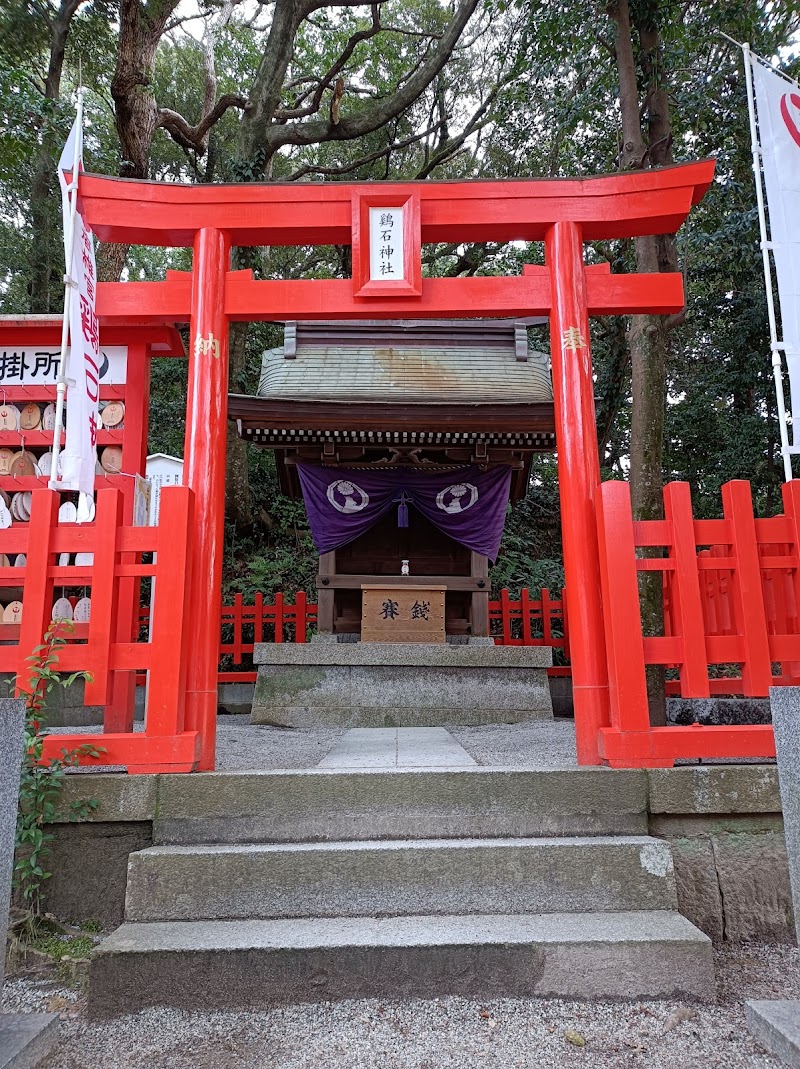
{"x": 208, "y": 965}
{"x": 330, "y": 804}
{"x": 274, "y": 887}
{"x": 397, "y": 877}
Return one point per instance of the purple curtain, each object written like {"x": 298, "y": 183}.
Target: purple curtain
{"x": 469, "y": 505}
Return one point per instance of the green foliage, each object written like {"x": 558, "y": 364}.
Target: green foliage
{"x": 41, "y": 784}
{"x": 58, "y": 947}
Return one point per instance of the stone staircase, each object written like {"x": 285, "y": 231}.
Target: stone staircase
{"x": 275, "y": 887}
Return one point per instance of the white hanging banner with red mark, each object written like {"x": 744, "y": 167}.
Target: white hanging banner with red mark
{"x": 79, "y": 456}
{"x": 778, "y": 101}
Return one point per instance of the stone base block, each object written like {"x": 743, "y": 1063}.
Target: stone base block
{"x": 241, "y": 964}
{"x": 776, "y": 1026}
{"x": 399, "y": 685}
{"x": 26, "y": 1039}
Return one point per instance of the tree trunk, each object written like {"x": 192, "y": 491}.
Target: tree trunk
{"x": 46, "y": 286}
{"x": 141, "y": 27}
{"x": 649, "y": 335}
{"x": 238, "y": 496}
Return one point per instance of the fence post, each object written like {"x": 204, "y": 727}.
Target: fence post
{"x": 300, "y": 621}
{"x": 525, "y": 606}
{"x": 565, "y": 624}
{"x": 505, "y": 615}
{"x": 791, "y": 508}
{"x": 279, "y": 616}
{"x": 238, "y": 627}
{"x": 169, "y": 641}
{"x": 748, "y": 594}
{"x": 547, "y": 608}
{"x": 105, "y": 603}
{"x": 686, "y": 602}
{"x": 258, "y": 619}
{"x": 622, "y": 617}
{"x": 37, "y": 597}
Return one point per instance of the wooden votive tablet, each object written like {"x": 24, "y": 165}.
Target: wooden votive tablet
{"x": 30, "y": 417}
{"x": 113, "y": 414}
{"x": 111, "y": 459}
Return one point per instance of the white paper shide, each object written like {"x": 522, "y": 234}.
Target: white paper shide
{"x": 386, "y": 245}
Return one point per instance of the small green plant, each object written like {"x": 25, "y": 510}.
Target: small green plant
{"x": 42, "y": 782}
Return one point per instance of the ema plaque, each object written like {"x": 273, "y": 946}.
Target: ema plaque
{"x": 401, "y": 613}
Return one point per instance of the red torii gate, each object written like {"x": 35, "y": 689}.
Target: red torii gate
{"x": 563, "y": 213}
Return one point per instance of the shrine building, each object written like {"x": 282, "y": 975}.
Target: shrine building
{"x": 407, "y": 440}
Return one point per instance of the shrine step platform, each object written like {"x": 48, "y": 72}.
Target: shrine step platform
{"x": 332, "y": 882}
{"x": 382, "y": 684}
{"x": 215, "y": 965}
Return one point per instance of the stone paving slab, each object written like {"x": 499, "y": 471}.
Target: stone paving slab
{"x": 397, "y": 748}
{"x": 776, "y": 1026}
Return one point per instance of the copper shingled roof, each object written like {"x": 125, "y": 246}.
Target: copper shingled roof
{"x": 420, "y": 362}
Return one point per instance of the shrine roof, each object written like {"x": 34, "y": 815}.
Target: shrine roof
{"x": 439, "y": 362}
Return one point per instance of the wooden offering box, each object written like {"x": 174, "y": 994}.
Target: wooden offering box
{"x": 401, "y": 613}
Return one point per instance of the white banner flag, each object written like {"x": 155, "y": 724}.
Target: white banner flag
{"x": 778, "y": 103}
{"x": 79, "y": 456}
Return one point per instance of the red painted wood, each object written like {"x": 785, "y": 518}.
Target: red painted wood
{"x": 204, "y": 457}
{"x": 320, "y": 299}
{"x": 746, "y": 588}
{"x": 623, "y": 626}
{"x": 139, "y": 752}
{"x": 623, "y": 204}
{"x": 579, "y": 481}
{"x": 547, "y": 623}
{"x": 37, "y": 597}
{"x": 171, "y": 652}
{"x": 686, "y": 602}
{"x": 362, "y": 285}
{"x": 661, "y": 746}
{"x": 102, "y": 623}
{"x": 278, "y": 609}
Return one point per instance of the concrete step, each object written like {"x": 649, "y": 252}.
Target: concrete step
{"x": 437, "y": 876}
{"x": 211, "y": 965}
{"x": 324, "y": 805}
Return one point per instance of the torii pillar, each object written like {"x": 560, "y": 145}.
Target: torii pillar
{"x": 205, "y": 451}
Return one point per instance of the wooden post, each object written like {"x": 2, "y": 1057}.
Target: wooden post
{"x": 325, "y": 594}
{"x": 479, "y": 569}
{"x": 623, "y": 622}
{"x": 686, "y": 601}
{"x": 204, "y": 456}
{"x": 105, "y": 609}
{"x": 578, "y": 481}
{"x": 746, "y": 588}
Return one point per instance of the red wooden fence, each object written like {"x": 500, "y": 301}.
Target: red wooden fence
{"x": 101, "y": 646}
{"x": 528, "y": 621}
{"x": 732, "y": 589}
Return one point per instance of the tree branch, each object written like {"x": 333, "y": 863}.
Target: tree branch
{"x": 298, "y": 111}
{"x": 196, "y": 137}
{"x": 346, "y": 168}
{"x": 314, "y": 132}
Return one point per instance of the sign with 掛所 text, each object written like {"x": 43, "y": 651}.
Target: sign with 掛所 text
{"x": 402, "y": 613}
{"x": 37, "y": 365}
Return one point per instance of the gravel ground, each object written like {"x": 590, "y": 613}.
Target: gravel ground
{"x": 242, "y": 746}
{"x": 538, "y": 744}
{"x": 450, "y": 1033}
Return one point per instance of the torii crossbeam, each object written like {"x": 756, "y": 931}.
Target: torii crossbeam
{"x": 564, "y": 213}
